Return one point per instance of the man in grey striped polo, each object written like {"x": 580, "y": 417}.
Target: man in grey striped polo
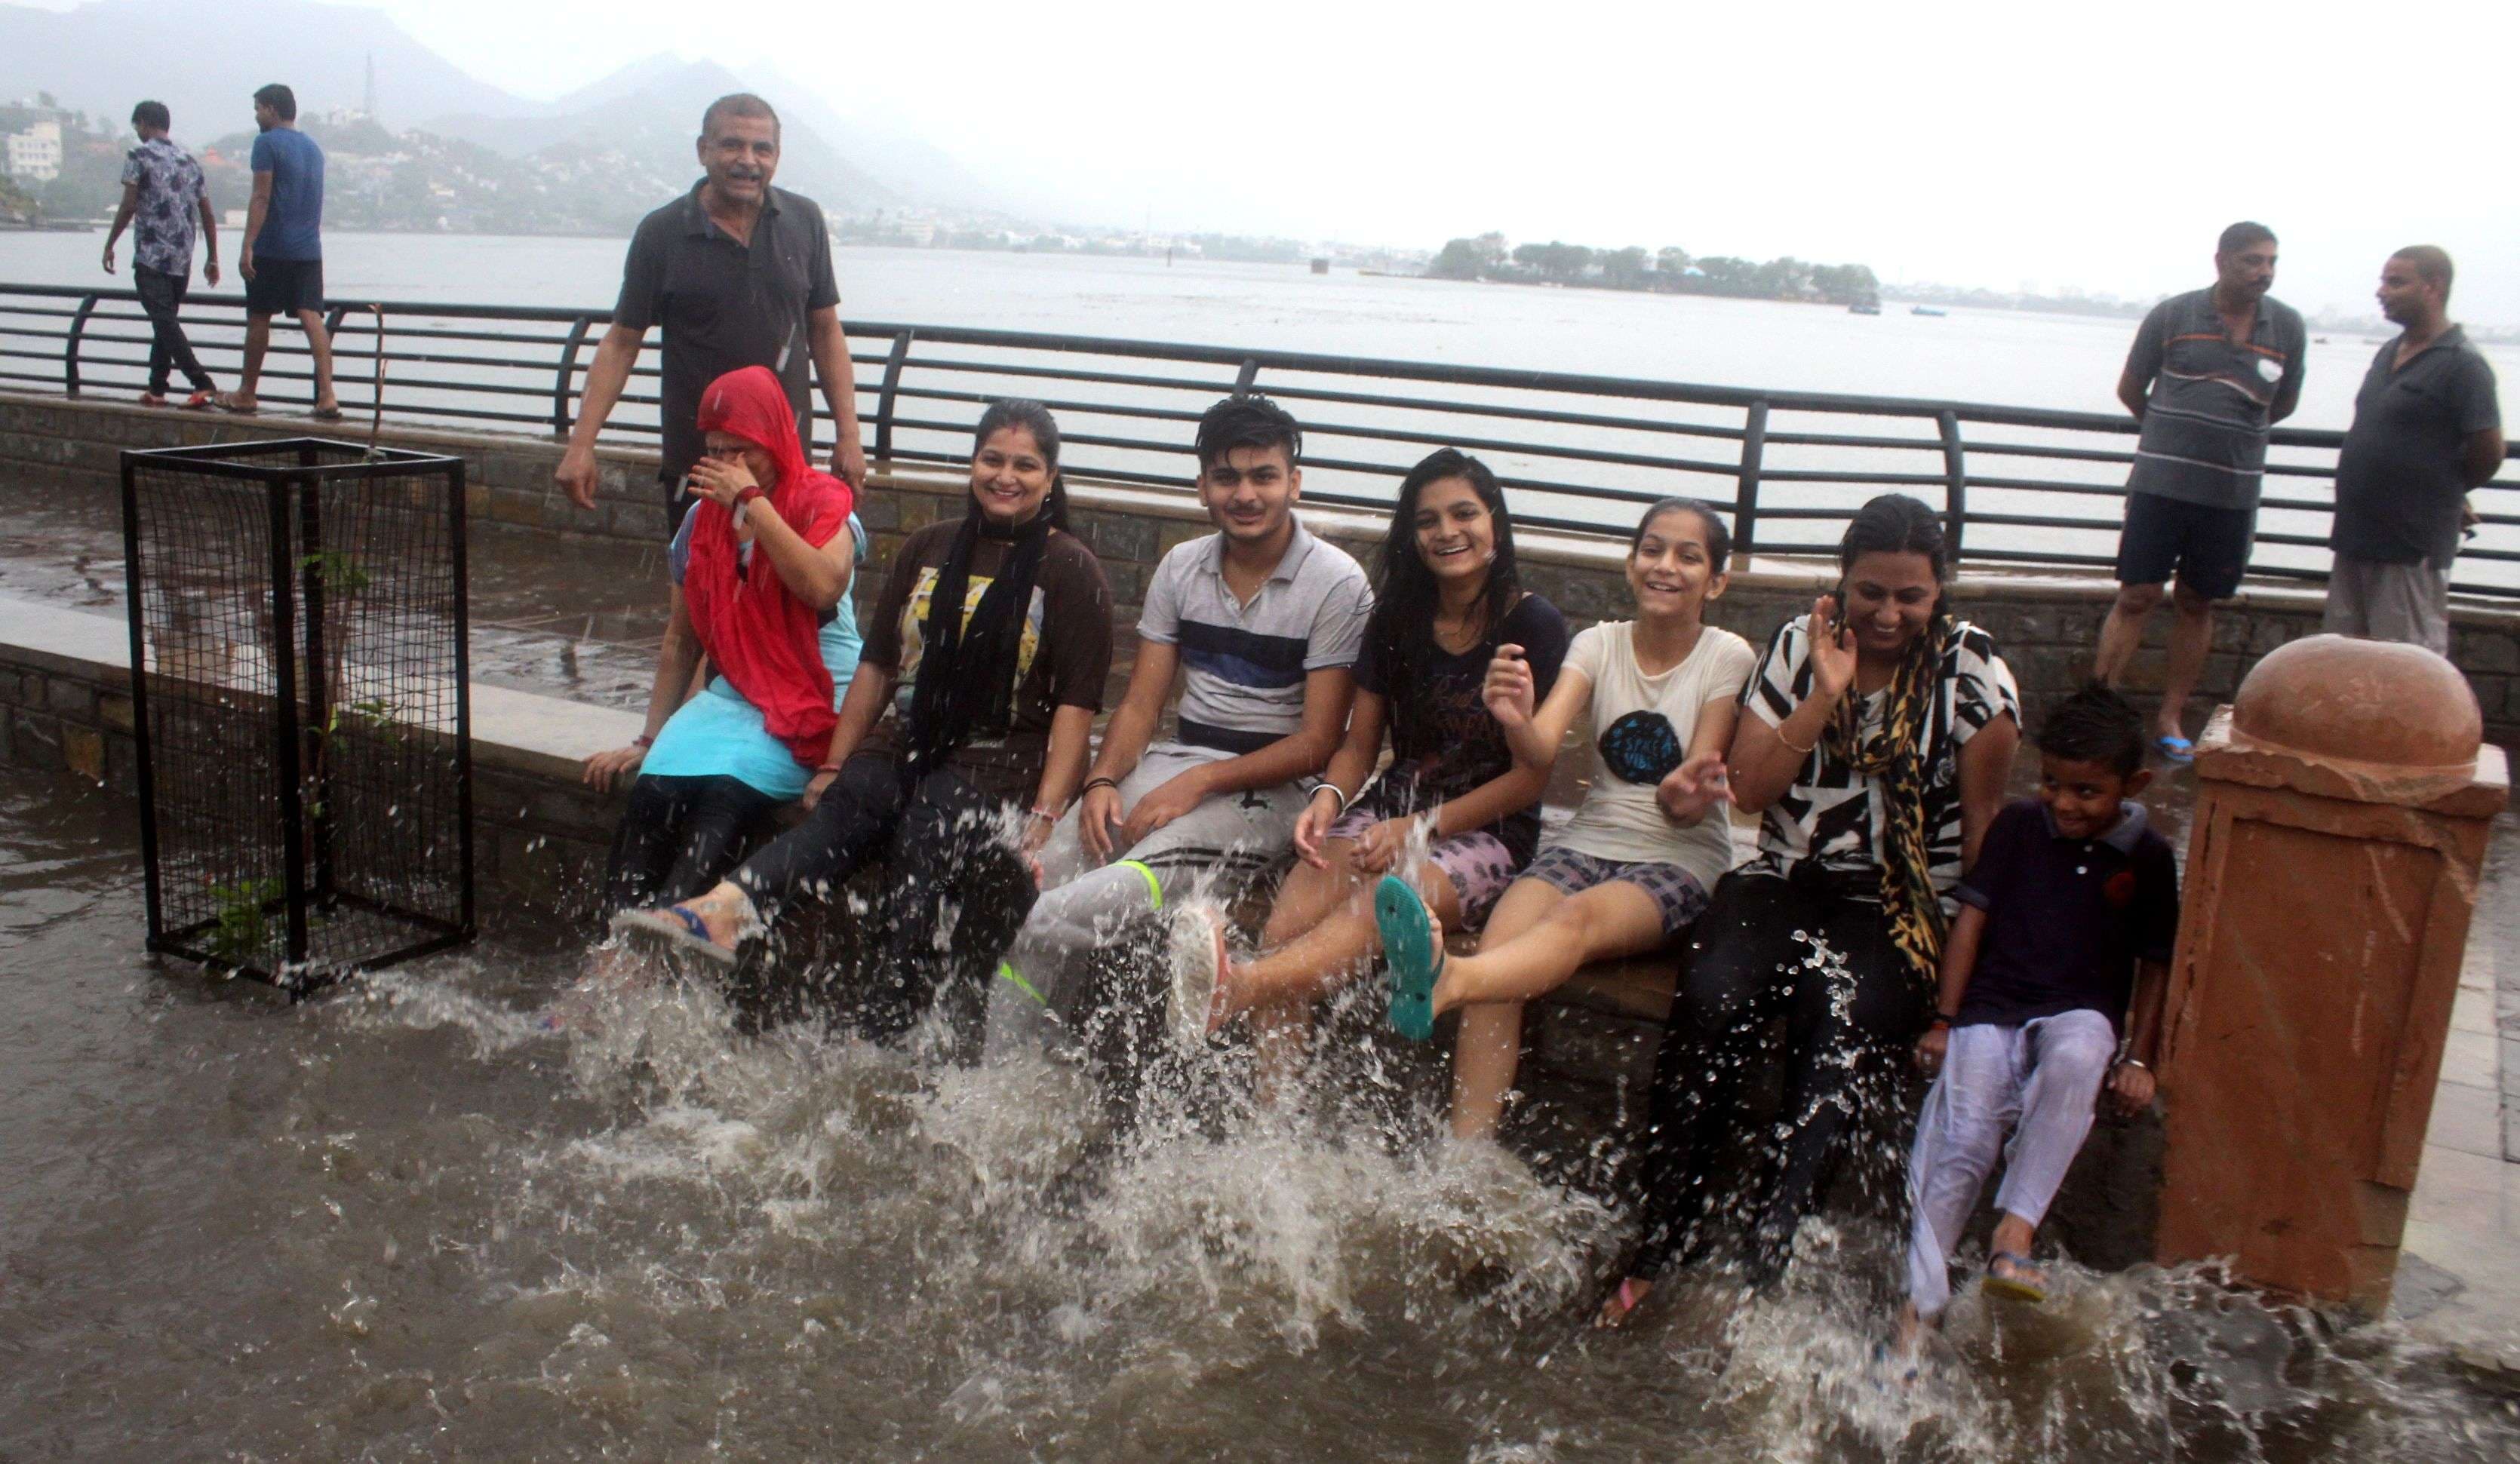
{"x": 2211, "y": 371}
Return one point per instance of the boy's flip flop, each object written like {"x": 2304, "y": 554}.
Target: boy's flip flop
{"x": 2023, "y": 1284}
{"x": 676, "y": 927}
{"x": 1410, "y": 952}
{"x": 2178, "y": 750}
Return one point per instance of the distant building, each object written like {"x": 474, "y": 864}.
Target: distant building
{"x": 36, "y": 153}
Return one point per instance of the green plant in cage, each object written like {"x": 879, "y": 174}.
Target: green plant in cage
{"x": 241, "y": 927}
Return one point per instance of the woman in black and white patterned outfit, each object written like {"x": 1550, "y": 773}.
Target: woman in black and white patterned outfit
{"x": 1877, "y": 737}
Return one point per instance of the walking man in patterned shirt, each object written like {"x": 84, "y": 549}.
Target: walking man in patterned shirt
{"x": 163, "y": 199}
{"x": 2212, "y": 371}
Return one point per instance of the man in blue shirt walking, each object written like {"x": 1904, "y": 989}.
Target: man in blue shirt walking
{"x": 283, "y": 261}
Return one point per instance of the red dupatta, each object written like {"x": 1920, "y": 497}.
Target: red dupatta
{"x": 763, "y": 640}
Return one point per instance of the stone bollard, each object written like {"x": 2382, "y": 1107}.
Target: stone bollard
{"x": 2341, "y": 818}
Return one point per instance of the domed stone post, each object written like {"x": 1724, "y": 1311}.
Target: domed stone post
{"x": 2341, "y": 818}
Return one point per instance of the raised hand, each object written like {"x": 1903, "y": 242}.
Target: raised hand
{"x": 720, "y": 480}
{"x": 1832, "y": 651}
{"x": 1509, "y": 692}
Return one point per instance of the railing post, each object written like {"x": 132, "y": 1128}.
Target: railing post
{"x": 70, "y": 347}
{"x": 561, "y": 418}
{"x": 1745, "y": 494}
{"x": 333, "y": 338}
{"x": 1243, "y": 378}
{"x": 892, "y": 363}
{"x": 1955, "y": 482}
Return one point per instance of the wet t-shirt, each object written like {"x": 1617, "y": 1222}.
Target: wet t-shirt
{"x": 1444, "y": 742}
{"x": 1063, "y": 659}
{"x": 1640, "y": 730}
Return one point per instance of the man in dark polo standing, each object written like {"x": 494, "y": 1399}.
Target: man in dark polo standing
{"x": 2427, "y": 427}
{"x": 739, "y": 274}
{"x": 2211, "y": 371}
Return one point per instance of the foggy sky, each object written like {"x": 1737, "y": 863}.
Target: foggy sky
{"x": 2040, "y": 146}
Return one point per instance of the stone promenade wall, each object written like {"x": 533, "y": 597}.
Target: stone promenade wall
{"x": 2047, "y": 624}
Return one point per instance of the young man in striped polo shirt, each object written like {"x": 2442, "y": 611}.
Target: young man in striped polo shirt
{"x": 2211, "y": 371}
{"x": 1263, "y": 622}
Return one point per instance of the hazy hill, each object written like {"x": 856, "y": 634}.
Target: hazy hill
{"x": 645, "y": 117}
{"x": 204, "y": 61}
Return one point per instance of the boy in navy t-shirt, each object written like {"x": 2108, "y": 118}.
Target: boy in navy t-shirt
{"x": 2065, "y": 929}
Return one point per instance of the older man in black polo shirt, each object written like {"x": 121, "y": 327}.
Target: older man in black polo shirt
{"x": 738, "y": 273}
{"x": 2427, "y": 427}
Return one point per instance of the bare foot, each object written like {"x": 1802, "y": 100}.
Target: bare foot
{"x": 1622, "y": 1304}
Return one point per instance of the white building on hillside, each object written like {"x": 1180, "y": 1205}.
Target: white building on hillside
{"x": 36, "y": 153}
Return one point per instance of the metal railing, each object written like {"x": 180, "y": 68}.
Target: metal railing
{"x": 1580, "y": 451}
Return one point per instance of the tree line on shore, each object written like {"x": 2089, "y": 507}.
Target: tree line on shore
{"x": 1667, "y": 271}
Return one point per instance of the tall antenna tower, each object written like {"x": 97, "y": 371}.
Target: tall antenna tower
{"x": 368, "y": 103}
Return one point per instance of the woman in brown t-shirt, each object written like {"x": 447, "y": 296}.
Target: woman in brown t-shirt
{"x": 977, "y": 692}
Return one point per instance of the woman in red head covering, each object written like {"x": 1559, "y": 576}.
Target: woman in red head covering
{"x": 762, "y": 563}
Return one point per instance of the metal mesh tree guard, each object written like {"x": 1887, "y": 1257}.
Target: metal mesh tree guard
{"x": 300, "y": 705}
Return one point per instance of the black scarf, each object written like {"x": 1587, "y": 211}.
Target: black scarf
{"x": 967, "y": 669}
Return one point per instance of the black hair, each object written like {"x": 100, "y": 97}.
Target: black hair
{"x": 1719, "y": 534}
{"x": 152, "y": 115}
{"x": 1247, "y": 419}
{"x": 1402, "y": 625}
{"x": 2095, "y": 724}
{"x": 1034, "y": 417}
{"x": 739, "y": 105}
{"x": 2241, "y": 235}
{"x": 2432, "y": 265}
{"x": 280, "y": 99}
{"x": 1894, "y": 523}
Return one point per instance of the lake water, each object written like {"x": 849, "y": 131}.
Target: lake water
{"x": 2006, "y": 358}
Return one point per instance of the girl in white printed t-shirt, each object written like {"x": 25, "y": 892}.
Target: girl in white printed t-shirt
{"x": 1633, "y": 867}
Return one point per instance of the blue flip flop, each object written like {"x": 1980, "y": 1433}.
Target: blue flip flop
{"x": 676, "y": 927}
{"x": 1413, "y": 956}
{"x": 2178, "y": 750}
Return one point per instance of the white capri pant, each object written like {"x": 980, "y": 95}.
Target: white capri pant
{"x": 2039, "y": 1082}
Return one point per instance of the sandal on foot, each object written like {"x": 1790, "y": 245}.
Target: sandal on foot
{"x": 676, "y": 926}
{"x": 228, "y": 403}
{"x": 201, "y": 401}
{"x": 151, "y": 399}
{"x": 1412, "y": 955}
{"x": 1198, "y": 951}
{"x": 2178, "y": 750}
{"x": 1621, "y": 1304}
{"x": 2018, "y": 1281}
{"x": 325, "y": 413}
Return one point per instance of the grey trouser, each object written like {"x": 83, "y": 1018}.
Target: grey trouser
{"x": 2384, "y": 602}
{"x": 2037, "y": 1081}
{"x": 1222, "y": 846}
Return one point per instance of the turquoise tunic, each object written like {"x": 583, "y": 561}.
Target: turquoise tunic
{"x": 720, "y": 735}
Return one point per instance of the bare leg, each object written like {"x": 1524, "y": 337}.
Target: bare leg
{"x": 257, "y": 343}
{"x": 1610, "y": 919}
{"x": 2122, "y": 633}
{"x": 320, "y": 344}
{"x": 2192, "y": 634}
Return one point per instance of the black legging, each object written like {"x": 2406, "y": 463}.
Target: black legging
{"x": 678, "y": 838}
{"x": 1842, "y": 1046}
{"x": 959, "y": 891}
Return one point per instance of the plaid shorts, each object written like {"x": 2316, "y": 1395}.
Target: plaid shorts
{"x": 1674, "y": 890}
{"x": 1477, "y": 862}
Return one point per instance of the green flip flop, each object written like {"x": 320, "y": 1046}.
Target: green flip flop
{"x": 1409, "y": 950}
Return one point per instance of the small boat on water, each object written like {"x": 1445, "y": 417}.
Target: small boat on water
{"x": 1925, "y": 310}
{"x": 1865, "y": 307}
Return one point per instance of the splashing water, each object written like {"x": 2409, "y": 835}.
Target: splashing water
{"x": 408, "y": 1224}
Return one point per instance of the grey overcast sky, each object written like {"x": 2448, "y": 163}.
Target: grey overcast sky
{"x": 2100, "y": 146}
